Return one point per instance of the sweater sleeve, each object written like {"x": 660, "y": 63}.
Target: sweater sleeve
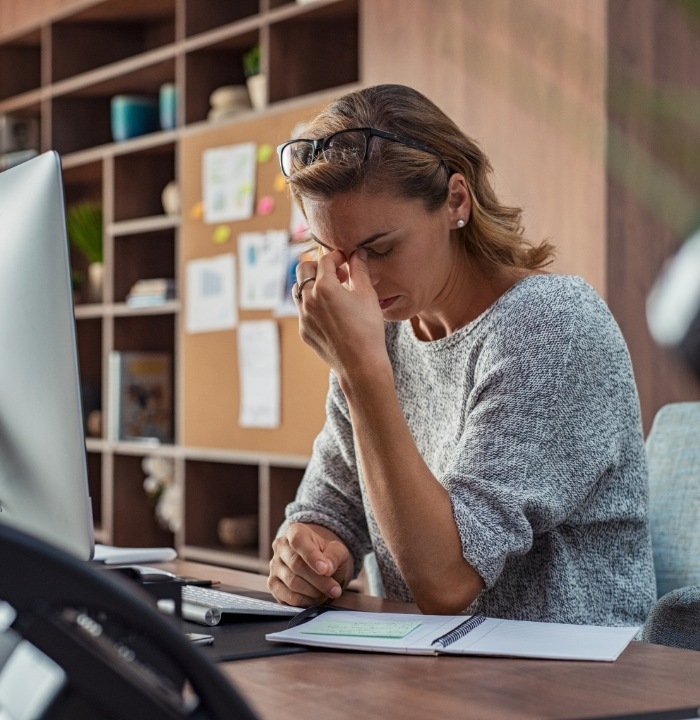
{"x": 329, "y": 494}
{"x": 552, "y": 418}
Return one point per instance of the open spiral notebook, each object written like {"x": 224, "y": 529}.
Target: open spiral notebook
{"x": 454, "y": 635}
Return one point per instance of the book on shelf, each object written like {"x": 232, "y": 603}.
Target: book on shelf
{"x": 151, "y": 291}
{"x": 140, "y": 396}
{"x": 415, "y": 634}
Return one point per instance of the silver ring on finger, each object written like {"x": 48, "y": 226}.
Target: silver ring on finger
{"x": 301, "y": 285}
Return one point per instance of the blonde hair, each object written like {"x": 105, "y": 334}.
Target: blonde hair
{"x": 494, "y": 235}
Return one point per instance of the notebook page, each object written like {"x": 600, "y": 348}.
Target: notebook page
{"x": 377, "y": 632}
{"x": 544, "y": 640}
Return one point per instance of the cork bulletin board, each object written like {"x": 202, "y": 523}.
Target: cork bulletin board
{"x": 209, "y": 360}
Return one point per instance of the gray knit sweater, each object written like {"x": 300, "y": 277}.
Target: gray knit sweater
{"x": 529, "y": 417}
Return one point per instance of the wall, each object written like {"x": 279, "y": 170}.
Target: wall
{"x": 525, "y": 79}
{"x": 653, "y": 185}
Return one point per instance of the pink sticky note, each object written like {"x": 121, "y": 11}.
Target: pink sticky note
{"x": 266, "y": 205}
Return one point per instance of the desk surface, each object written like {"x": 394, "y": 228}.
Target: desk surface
{"x": 343, "y": 685}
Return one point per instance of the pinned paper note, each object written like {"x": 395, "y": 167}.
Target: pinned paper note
{"x": 211, "y": 297}
{"x": 389, "y": 629}
{"x": 259, "y": 368}
{"x": 228, "y": 182}
{"x": 295, "y": 253}
{"x": 263, "y": 268}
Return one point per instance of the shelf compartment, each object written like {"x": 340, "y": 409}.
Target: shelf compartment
{"x": 82, "y": 115}
{"x": 139, "y": 179}
{"x": 20, "y": 65}
{"x": 332, "y": 31}
{"x": 207, "y": 69}
{"x": 109, "y": 32}
{"x": 135, "y": 524}
{"x": 145, "y": 332}
{"x": 215, "y": 490}
{"x": 142, "y": 256}
{"x": 94, "y": 470}
{"x": 282, "y": 484}
{"x": 89, "y": 340}
{"x": 83, "y": 183}
{"x": 20, "y": 131}
{"x": 203, "y": 15}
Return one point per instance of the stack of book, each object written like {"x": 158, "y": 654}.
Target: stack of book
{"x": 151, "y": 291}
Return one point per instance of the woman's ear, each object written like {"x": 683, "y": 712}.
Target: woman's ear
{"x": 459, "y": 201}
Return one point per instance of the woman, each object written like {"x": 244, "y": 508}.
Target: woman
{"x": 483, "y": 432}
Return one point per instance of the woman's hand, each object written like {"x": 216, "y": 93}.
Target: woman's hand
{"x": 310, "y": 564}
{"x": 339, "y": 313}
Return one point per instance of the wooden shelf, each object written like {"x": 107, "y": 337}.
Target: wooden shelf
{"x": 20, "y": 66}
{"x": 107, "y": 33}
{"x": 144, "y": 225}
{"x": 64, "y": 72}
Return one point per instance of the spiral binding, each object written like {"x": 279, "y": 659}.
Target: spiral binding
{"x": 460, "y": 631}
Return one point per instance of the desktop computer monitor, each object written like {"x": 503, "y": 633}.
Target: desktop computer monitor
{"x": 43, "y": 469}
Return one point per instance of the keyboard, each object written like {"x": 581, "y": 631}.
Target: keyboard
{"x": 205, "y": 605}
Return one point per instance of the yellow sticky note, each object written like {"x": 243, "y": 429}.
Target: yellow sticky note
{"x": 265, "y": 152}
{"x": 197, "y": 211}
{"x": 280, "y": 183}
{"x": 221, "y": 234}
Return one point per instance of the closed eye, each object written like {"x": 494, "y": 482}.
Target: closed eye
{"x": 372, "y": 253}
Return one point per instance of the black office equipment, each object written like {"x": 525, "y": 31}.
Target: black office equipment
{"x": 100, "y": 650}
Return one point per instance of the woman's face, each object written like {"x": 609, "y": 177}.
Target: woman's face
{"x": 413, "y": 262}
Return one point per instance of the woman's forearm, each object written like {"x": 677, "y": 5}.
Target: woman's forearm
{"x": 413, "y": 510}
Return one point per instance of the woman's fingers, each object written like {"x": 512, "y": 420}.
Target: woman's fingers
{"x": 300, "y": 572}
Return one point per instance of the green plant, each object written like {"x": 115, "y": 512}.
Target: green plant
{"x": 84, "y": 226}
{"x": 251, "y": 61}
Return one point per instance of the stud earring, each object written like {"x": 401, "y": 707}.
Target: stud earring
{"x": 460, "y": 223}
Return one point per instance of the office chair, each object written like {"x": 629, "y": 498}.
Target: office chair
{"x": 673, "y": 453}
{"x": 90, "y": 645}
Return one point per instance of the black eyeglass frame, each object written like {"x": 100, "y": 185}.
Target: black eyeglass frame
{"x": 320, "y": 145}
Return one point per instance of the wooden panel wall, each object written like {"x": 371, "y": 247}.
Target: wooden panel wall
{"x": 653, "y": 184}
{"x": 526, "y": 78}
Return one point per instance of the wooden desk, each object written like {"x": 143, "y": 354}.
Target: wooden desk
{"x": 340, "y": 685}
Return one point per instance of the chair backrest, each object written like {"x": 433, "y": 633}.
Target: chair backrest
{"x": 673, "y": 452}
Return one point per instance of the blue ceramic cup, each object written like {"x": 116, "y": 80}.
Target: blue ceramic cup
{"x": 133, "y": 115}
{"x": 167, "y": 99}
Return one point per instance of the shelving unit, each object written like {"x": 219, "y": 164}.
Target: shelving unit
{"x": 64, "y": 73}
